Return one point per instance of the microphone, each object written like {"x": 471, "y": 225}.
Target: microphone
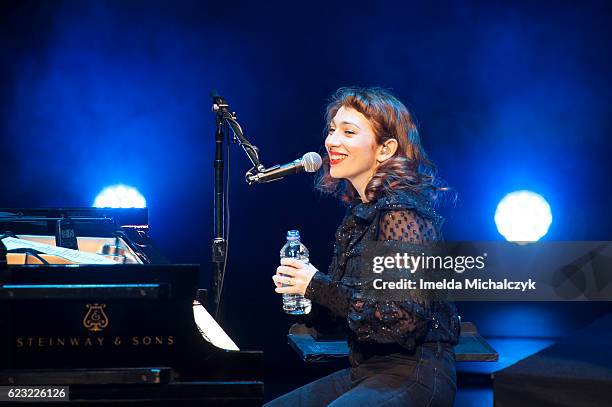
{"x": 310, "y": 162}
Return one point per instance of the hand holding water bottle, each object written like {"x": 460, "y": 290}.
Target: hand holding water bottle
{"x": 293, "y": 276}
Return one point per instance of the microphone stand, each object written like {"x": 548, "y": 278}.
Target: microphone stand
{"x": 224, "y": 119}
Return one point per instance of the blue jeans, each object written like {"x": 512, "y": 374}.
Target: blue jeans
{"x": 425, "y": 379}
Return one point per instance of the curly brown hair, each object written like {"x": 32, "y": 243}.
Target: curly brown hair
{"x": 408, "y": 169}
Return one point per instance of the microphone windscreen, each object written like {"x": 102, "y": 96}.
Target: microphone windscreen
{"x": 312, "y": 162}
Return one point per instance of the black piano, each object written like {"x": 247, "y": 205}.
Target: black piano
{"x": 114, "y": 320}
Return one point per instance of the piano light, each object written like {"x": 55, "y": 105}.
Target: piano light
{"x": 120, "y": 196}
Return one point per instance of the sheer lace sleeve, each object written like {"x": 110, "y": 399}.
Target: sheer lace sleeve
{"x": 328, "y": 305}
{"x": 406, "y": 226}
{"x": 330, "y": 293}
{"x": 402, "y": 322}
{"x": 378, "y": 321}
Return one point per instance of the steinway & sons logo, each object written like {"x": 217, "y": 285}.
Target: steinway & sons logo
{"x": 95, "y": 319}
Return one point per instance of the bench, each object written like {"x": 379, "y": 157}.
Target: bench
{"x": 471, "y": 347}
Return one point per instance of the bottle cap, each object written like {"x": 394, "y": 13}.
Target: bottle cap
{"x": 293, "y": 235}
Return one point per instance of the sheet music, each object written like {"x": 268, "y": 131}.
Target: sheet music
{"x": 210, "y": 329}
{"x": 74, "y": 256}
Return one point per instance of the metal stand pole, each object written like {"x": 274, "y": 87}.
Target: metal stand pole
{"x": 224, "y": 119}
{"x": 218, "y": 243}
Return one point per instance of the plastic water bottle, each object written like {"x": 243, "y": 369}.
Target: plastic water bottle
{"x": 295, "y": 304}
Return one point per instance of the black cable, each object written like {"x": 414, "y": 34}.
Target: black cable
{"x": 36, "y": 255}
{"x": 27, "y": 252}
{"x": 244, "y": 143}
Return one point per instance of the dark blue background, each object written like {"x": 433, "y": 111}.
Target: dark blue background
{"x": 507, "y": 96}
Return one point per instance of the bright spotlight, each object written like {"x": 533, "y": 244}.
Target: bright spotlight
{"x": 120, "y": 196}
{"x": 523, "y": 216}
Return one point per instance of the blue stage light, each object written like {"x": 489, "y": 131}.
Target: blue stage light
{"x": 523, "y": 216}
{"x": 120, "y": 196}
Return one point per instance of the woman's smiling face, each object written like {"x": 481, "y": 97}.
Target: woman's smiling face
{"x": 352, "y": 148}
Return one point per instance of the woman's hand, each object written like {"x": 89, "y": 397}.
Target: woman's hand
{"x": 295, "y": 275}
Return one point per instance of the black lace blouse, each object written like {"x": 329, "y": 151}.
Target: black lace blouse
{"x": 371, "y": 323}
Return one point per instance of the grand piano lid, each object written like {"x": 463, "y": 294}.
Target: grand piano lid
{"x": 120, "y": 217}
{"x": 128, "y": 224}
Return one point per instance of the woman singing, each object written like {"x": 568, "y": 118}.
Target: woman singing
{"x": 401, "y": 351}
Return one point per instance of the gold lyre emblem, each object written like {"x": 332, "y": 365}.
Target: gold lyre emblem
{"x": 95, "y": 320}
